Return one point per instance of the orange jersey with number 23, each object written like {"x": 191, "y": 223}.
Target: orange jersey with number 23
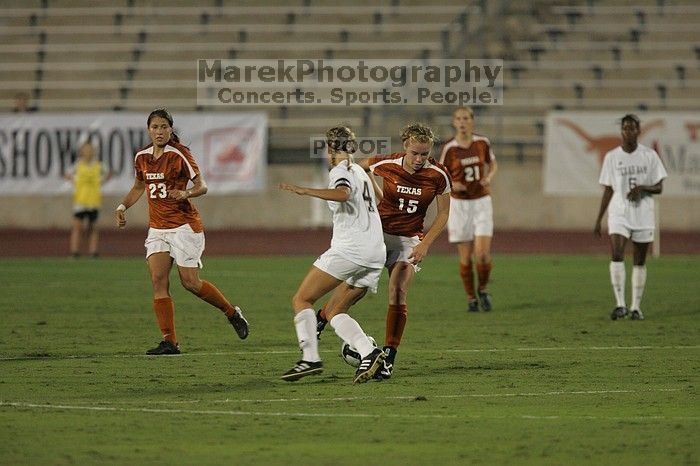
{"x": 172, "y": 170}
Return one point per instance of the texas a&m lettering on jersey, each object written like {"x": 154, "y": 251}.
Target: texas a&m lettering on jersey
{"x": 467, "y": 165}
{"x": 407, "y": 196}
{"x": 172, "y": 170}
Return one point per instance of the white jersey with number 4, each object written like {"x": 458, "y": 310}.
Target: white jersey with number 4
{"x": 357, "y": 228}
{"x": 623, "y": 171}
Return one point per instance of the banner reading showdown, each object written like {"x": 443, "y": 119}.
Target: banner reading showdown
{"x": 37, "y": 149}
{"x": 576, "y": 143}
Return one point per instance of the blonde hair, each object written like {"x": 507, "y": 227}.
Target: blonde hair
{"x": 417, "y": 132}
{"x": 87, "y": 145}
{"x": 469, "y": 110}
{"x": 341, "y": 139}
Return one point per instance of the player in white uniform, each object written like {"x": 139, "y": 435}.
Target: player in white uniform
{"x": 631, "y": 173}
{"x": 351, "y": 266}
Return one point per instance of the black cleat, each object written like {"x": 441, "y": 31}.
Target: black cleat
{"x": 485, "y": 300}
{"x": 473, "y": 306}
{"x": 387, "y": 367}
{"x": 384, "y": 371}
{"x": 302, "y": 369}
{"x": 240, "y": 325}
{"x": 618, "y": 313}
{"x": 164, "y": 348}
{"x": 636, "y": 314}
{"x": 320, "y": 324}
{"x": 369, "y": 366}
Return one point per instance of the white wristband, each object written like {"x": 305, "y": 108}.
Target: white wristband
{"x": 121, "y": 207}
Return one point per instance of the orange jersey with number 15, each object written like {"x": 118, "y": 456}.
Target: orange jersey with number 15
{"x": 172, "y": 170}
{"x": 407, "y": 196}
{"x": 467, "y": 165}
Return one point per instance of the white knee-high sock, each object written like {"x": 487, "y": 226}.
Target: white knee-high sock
{"x": 305, "y": 325}
{"x": 617, "y": 278}
{"x": 639, "y": 280}
{"x": 350, "y": 331}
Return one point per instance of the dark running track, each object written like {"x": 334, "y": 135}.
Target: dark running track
{"x": 129, "y": 242}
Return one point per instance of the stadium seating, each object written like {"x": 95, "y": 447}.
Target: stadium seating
{"x": 135, "y": 55}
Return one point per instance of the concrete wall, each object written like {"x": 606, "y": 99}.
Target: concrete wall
{"x": 517, "y": 192}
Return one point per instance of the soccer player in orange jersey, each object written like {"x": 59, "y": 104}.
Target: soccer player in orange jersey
{"x": 470, "y": 161}
{"x": 412, "y": 180}
{"x": 176, "y": 234}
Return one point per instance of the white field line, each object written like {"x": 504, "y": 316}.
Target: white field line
{"x": 199, "y": 412}
{"x": 21, "y": 405}
{"x": 474, "y": 350}
{"x": 398, "y": 397}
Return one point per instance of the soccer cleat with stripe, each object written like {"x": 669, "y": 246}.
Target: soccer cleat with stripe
{"x": 473, "y": 305}
{"x": 164, "y": 348}
{"x": 240, "y": 325}
{"x": 369, "y": 366}
{"x": 618, "y": 313}
{"x": 636, "y": 314}
{"x": 302, "y": 369}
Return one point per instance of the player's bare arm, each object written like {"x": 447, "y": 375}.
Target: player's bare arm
{"x": 339, "y": 194}
{"x": 607, "y": 195}
{"x": 443, "y": 212}
{"x": 199, "y": 188}
{"x": 492, "y": 169}
{"x": 640, "y": 191}
{"x": 130, "y": 199}
{"x": 364, "y": 163}
{"x": 378, "y": 191}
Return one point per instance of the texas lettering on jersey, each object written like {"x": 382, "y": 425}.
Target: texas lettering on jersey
{"x": 171, "y": 171}
{"x": 407, "y": 196}
{"x": 467, "y": 165}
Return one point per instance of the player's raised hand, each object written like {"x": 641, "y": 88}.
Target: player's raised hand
{"x": 293, "y": 188}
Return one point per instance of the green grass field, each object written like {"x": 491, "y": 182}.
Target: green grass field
{"x": 547, "y": 378}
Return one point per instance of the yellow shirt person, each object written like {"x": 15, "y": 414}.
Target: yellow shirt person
{"x": 87, "y": 176}
{"x": 87, "y": 181}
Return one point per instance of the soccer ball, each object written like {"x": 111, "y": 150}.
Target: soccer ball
{"x": 350, "y": 354}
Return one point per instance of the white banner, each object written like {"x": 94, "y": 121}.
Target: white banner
{"x": 576, "y": 143}
{"x": 37, "y": 149}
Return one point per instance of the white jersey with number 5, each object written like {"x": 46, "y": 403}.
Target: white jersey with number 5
{"x": 623, "y": 171}
{"x": 357, "y": 228}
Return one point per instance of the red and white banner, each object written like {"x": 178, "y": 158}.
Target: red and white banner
{"x": 576, "y": 143}
{"x": 37, "y": 149}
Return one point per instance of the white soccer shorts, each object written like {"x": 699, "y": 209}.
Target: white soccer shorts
{"x": 470, "y": 218}
{"x": 399, "y": 249}
{"x": 359, "y": 276}
{"x": 183, "y": 244}
{"x": 638, "y": 235}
